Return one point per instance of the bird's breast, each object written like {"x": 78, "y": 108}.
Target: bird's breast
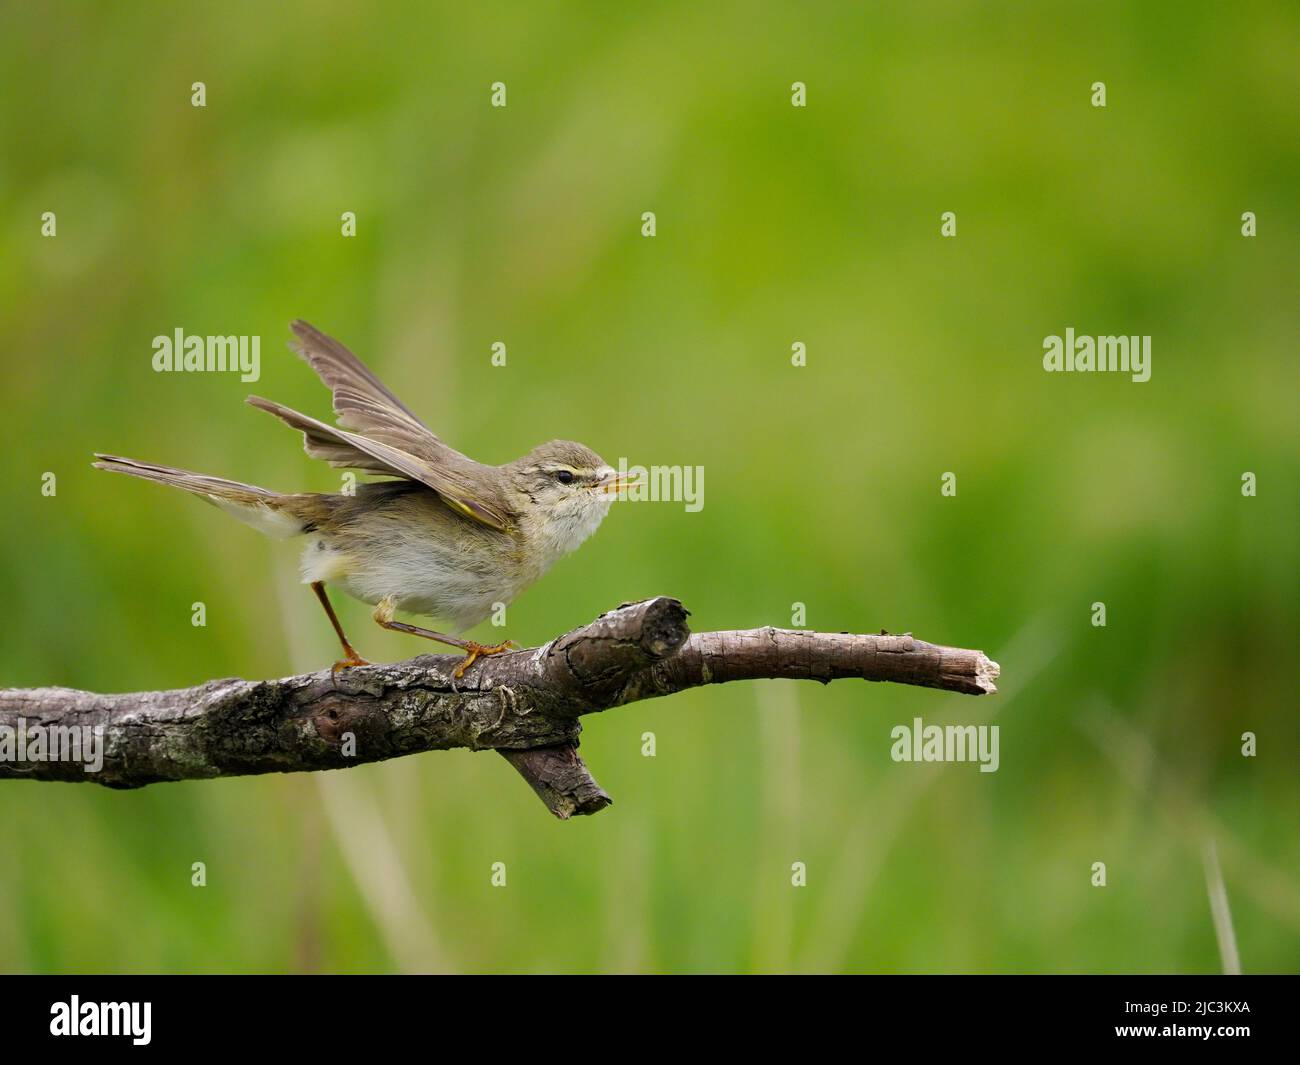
{"x": 425, "y": 558}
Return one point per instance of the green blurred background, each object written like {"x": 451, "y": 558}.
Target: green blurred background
{"x": 775, "y": 224}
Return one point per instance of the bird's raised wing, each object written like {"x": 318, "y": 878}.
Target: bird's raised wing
{"x": 388, "y": 438}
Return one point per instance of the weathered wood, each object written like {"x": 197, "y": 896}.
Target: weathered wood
{"x": 525, "y": 704}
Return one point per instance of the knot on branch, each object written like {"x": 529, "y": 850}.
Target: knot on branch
{"x": 594, "y": 663}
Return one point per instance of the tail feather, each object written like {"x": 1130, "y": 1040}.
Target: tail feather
{"x": 269, "y": 512}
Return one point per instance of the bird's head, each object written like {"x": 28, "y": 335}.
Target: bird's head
{"x": 562, "y": 491}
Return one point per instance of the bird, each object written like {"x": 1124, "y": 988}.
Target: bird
{"x": 442, "y": 536}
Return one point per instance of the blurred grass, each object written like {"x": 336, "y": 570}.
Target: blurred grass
{"x": 774, "y": 225}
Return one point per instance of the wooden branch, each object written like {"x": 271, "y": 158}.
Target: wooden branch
{"x": 525, "y": 704}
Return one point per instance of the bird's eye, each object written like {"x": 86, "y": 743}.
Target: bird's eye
{"x": 564, "y": 476}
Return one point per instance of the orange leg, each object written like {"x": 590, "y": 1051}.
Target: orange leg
{"x": 383, "y": 615}
{"x": 350, "y": 657}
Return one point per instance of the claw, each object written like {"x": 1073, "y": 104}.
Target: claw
{"x": 350, "y": 662}
{"x": 475, "y": 651}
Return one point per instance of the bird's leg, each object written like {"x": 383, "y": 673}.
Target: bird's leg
{"x": 350, "y": 657}
{"x": 383, "y": 615}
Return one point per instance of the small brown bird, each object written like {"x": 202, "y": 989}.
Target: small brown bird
{"x": 450, "y": 538}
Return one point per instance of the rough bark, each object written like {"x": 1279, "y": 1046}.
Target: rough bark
{"x": 525, "y": 704}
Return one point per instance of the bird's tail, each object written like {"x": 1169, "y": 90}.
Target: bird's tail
{"x": 268, "y": 512}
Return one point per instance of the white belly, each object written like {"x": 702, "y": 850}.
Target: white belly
{"x": 419, "y": 578}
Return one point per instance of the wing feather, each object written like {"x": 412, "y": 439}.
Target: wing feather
{"x": 388, "y": 438}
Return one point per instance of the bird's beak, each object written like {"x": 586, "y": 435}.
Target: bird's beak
{"x": 613, "y": 484}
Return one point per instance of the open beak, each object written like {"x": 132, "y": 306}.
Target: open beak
{"x": 613, "y": 484}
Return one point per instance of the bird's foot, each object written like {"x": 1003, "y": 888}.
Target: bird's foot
{"x": 475, "y": 651}
{"x": 350, "y": 662}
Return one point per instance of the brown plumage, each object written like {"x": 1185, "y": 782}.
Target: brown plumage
{"x": 451, "y": 538}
